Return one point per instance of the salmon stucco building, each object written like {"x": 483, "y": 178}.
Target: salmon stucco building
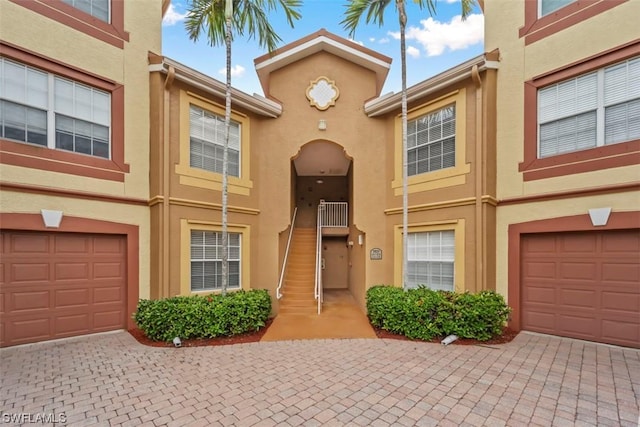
{"x": 323, "y": 146}
{"x": 74, "y": 165}
{"x": 523, "y": 170}
{"x": 568, "y": 155}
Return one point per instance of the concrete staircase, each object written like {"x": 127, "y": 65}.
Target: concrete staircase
{"x": 299, "y": 281}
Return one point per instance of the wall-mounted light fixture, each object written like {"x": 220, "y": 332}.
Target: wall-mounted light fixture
{"x": 360, "y": 239}
{"x": 319, "y": 181}
{"x": 322, "y": 124}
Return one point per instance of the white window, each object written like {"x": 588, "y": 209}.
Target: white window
{"x": 48, "y": 110}
{"x": 206, "y": 260}
{"x": 592, "y": 110}
{"x": 431, "y": 141}
{"x": 96, "y": 8}
{"x": 548, "y": 6}
{"x": 207, "y": 135}
{"x": 430, "y": 260}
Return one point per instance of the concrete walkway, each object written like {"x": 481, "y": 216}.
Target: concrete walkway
{"x": 534, "y": 380}
{"x": 340, "y": 318}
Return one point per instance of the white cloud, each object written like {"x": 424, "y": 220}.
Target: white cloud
{"x": 384, "y": 40}
{"x": 172, "y": 17}
{"x": 452, "y": 1}
{"x": 436, "y": 37}
{"x": 372, "y": 39}
{"x": 236, "y": 71}
{"x": 357, "y": 42}
{"x": 413, "y": 52}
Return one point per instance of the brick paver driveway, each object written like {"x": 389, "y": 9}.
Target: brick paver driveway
{"x": 535, "y": 380}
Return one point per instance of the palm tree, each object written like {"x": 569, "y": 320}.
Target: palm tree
{"x": 375, "y": 13}
{"x": 219, "y": 19}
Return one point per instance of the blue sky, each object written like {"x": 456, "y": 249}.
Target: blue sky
{"x": 434, "y": 44}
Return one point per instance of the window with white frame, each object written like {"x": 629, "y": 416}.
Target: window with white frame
{"x": 207, "y": 133}
{"x": 591, "y": 110}
{"x": 206, "y": 260}
{"x": 430, "y": 260}
{"x": 548, "y": 6}
{"x": 96, "y": 8}
{"x": 431, "y": 141}
{"x": 44, "y": 109}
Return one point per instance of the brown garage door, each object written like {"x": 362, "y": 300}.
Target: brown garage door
{"x": 583, "y": 285}
{"x": 56, "y": 285}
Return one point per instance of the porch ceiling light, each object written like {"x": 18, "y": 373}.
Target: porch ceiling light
{"x": 319, "y": 181}
{"x": 322, "y": 124}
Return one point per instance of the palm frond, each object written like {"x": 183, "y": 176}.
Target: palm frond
{"x": 356, "y": 9}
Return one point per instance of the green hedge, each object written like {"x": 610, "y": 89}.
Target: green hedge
{"x": 203, "y": 316}
{"x": 425, "y": 314}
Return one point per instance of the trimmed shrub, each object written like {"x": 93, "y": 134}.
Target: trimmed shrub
{"x": 203, "y": 316}
{"x": 425, "y": 314}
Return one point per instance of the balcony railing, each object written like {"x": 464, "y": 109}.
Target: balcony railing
{"x": 333, "y": 214}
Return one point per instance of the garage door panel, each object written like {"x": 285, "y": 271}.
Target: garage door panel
{"x": 29, "y": 301}
{"x": 616, "y": 243}
{"x": 28, "y": 330}
{"x": 594, "y": 292}
{"x": 29, "y": 272}
{"x": 71, "y": 244}
{"x": 72, "y": 324}
{"x": 72, "y": 298}
{"x": 540, "y": 270}
{"x": 541, "y": 321}
{"x": 624, "y": 333}
{"x": 577, "y": 244}
{"x": 621, "y": 301}
{"x": 578, "y": 326}
{"x": 540, "y": 294}
{"x": 108, "y": 320}
{"x": 108, "y": 246}
{"x": 618, "y": 272}
{"x": 108, "y": 270}
{"x": 72, "y": 271}
{"x": 577, "y": 298}
{"x": 578, "y": 270}
{"x": 29, "y": 244}
{"x": 77, "y": 285}
{"x": 107, "y": 295}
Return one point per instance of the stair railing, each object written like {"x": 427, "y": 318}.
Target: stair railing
{"x": 318, "y": 288}
{"x": 286, "y": 255}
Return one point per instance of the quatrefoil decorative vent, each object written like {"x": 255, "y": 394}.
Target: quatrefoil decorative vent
{"x": 322, "y": 93}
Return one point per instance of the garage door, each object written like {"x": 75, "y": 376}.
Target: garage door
{"x": 583, "y": 285}
{"x": 56, "y": 285}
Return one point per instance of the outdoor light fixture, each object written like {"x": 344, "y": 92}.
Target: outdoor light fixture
{"x": 177, "y": 343}
{"x": 319, "y": 181}
{"x": 322, "y": 124}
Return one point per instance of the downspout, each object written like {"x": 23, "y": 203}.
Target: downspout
{"x": 479, "y": 141}
{"x": 166, "y": 177}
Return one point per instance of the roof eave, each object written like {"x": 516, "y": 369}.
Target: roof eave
{"x": 390, "y": 102}
{"x": 254, "y": 103}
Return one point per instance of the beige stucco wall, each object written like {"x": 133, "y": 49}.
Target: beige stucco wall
{"x": 519, "y": 63}
{"x": 128, "y": 67}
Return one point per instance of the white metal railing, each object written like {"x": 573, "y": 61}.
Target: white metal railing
{"x": 318, "y": 288}
{"x": 333, "y": 214}
{"x": 286, "y": 254}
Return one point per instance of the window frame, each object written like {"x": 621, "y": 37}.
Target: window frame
{"x": 601, "y": 157}
{"x": 56, "y": 160}
{"x": 201, "y": 178}
{"x": 430, "y": 261}
{"x": 220, "y": 145}
{"x": 457, "y": 226}
{"x": 443, "y": 177}
{"x": 205, "y": 260}
{"x": 437, "y": 141}
{"x": 186, "y": 226}
{"x": 539, "y": 27}
{"x": 112, "y": 32}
